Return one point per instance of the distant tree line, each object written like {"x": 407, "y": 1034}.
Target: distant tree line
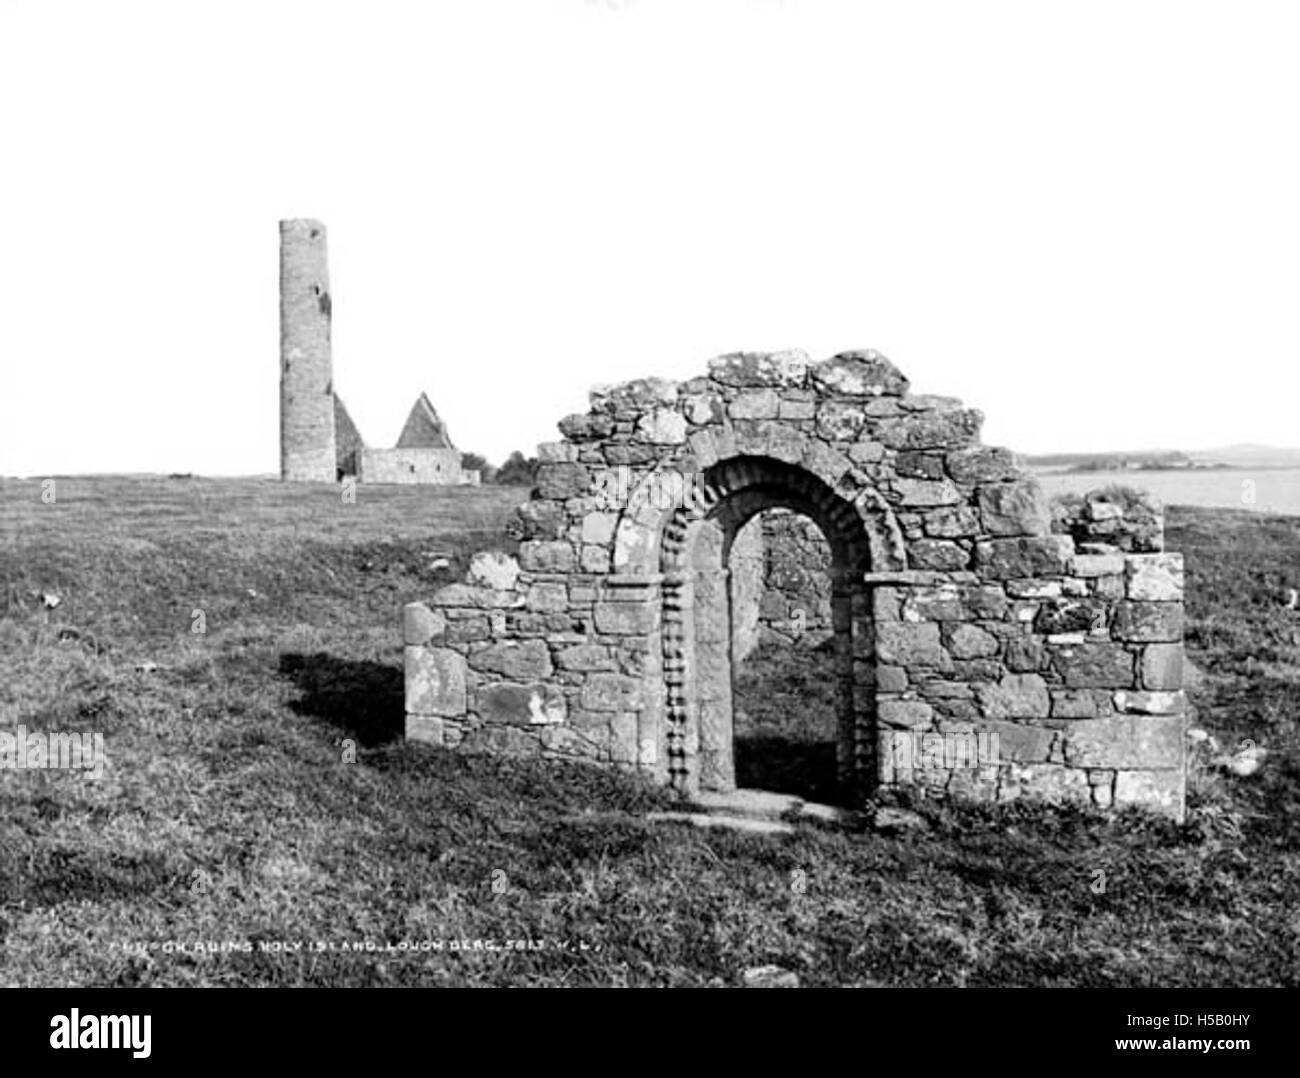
{"x": 517, "y": 471}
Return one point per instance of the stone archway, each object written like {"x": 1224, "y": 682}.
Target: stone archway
{"x": 698, "y": 660}
{"x": 998, "y": 661}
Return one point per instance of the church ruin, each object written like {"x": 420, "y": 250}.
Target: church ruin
{"x": 976, "y": 653}
{"x": 319, "y": 442}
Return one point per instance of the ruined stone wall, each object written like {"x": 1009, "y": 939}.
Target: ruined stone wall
{"x": 307, "y": 451}
{"x": 961, "y": 620}
{"x": 409, "y": 466}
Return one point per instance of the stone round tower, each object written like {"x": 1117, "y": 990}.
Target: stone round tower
{"x": 307, "y": 452}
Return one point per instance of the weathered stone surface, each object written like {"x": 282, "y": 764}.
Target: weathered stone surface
{"x": 1090, "y": 565}
{"x": 546, "y": 598}
{"x": 704, "y": 408}
{"x": 841, "y": 421}
{"x": 453, "y": 596}
{"x": 891, "y": 679}
{"x": 1162, "y": 666}
{"x": 760, "y": 369}
{"x": 519, "y": 660}
{"x": 939, "y": 430}
{"x": 435, "y": 681}
{"x": 537, "y": 520}
{"x": 560, "y": 481}
{"x": 1154, "y": 577}
{"x": 1162, "y": 791}
{"x": 1099, "y": 665}
{"x": 1025, "y": 654}
{"x": 420, "y": 624}
{"x": 1017, "y": 508}
{"x": 1149, "y": 621}
{"x": 939, "y": 554}
{"x": 904, "y": 713}
{"x": 972, "y": 642}
{"x": 1019, "y": 742}
{"x": 1069, "y": 616}
{"x": 903, "y": 644}
{"x": 981, "y": 464}
{"x": 1073, "y": 704}
{"x": 1039, "y": 556}
{"x": 924, "y": 493}
{"x": 625, "y": 619}
{"x": 533, "y": 704}
{"x": 662, "y": 427}
{"x": 1126, "y": 741}
{"x": 754, "y": 404}
{"x": 1142, "y": 702}
{"x": 1016, "y": 696}
{"x": 546, "y": 556}
{"x": 1046, "y": 782}
{"x": 914, "y": 465}
{"x": 611, "y": 692}
{"x": 867, "y": 452}
{"x": 636, "y": 396}
{"x": 493, "y": 569}
{"x": 599, "y": 527}
{"x": 585, "y": 428}
{"x": 585, "y": 657}
{"x": 858, "y": 374}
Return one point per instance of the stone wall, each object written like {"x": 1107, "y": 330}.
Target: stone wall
{"x": 1119, "y": 517}
{"x": 409, "y": 465}
{"x": 979, "y": 654}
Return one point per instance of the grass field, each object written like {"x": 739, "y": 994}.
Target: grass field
{"x": 231, "y": 809}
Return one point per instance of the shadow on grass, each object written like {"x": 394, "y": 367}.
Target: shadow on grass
{"x": 364, "y": 699}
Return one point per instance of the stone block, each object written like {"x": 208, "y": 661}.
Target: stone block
{"x": 435, "y": 681}
{"x": 1018, "y": 742}
{"x": 1154, "y": 577}
{"x": 611, "y": 692}
{"x": 1015, "y": 508}
{"x": 981, "y": 464}
{"x": 560, "y": 481}
{"x": 518, "y": 660}
{"x": 742, "y": 369}
{"x": 1016, "y": 696}
{"x": 1159, "y": 791}
{"x": 1141, "y": 702}
{"x": 420, "y": 624}
{"x": 1126, "y": 741}
{"x": 1004, "y": 559}
{"x": 754, "y": 404}
{"x": 546, "y": 556}
{"x": 922, "y": 493}
{"x": 1149, "y": 621}
{"x": 864, "y": 373}
{"x": 599, "y": 527}
{"x": 1161, "y": 666}
{"x": 905, "y": 644}
{"x": 1096, "y": 665}
{"x": 534, "y": 704}
{"x": 939, "y": 554}
{"x": 585, "y": 657}
{"x": 904, "y": 713}
{"x": 972, "y": 642}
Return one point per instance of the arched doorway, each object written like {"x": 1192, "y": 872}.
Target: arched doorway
{"x": 783, "y": 657}
{"x": 697, "y": 623}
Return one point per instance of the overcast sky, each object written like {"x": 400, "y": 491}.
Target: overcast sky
{"x": 1082, "y": 218}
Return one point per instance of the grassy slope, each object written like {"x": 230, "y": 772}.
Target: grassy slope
{"x": 228, "y": 811}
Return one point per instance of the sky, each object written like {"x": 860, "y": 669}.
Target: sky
{"x": 1083, "y": 219}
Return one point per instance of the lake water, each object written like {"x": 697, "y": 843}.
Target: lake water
{"x": 1268, "y": 490}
